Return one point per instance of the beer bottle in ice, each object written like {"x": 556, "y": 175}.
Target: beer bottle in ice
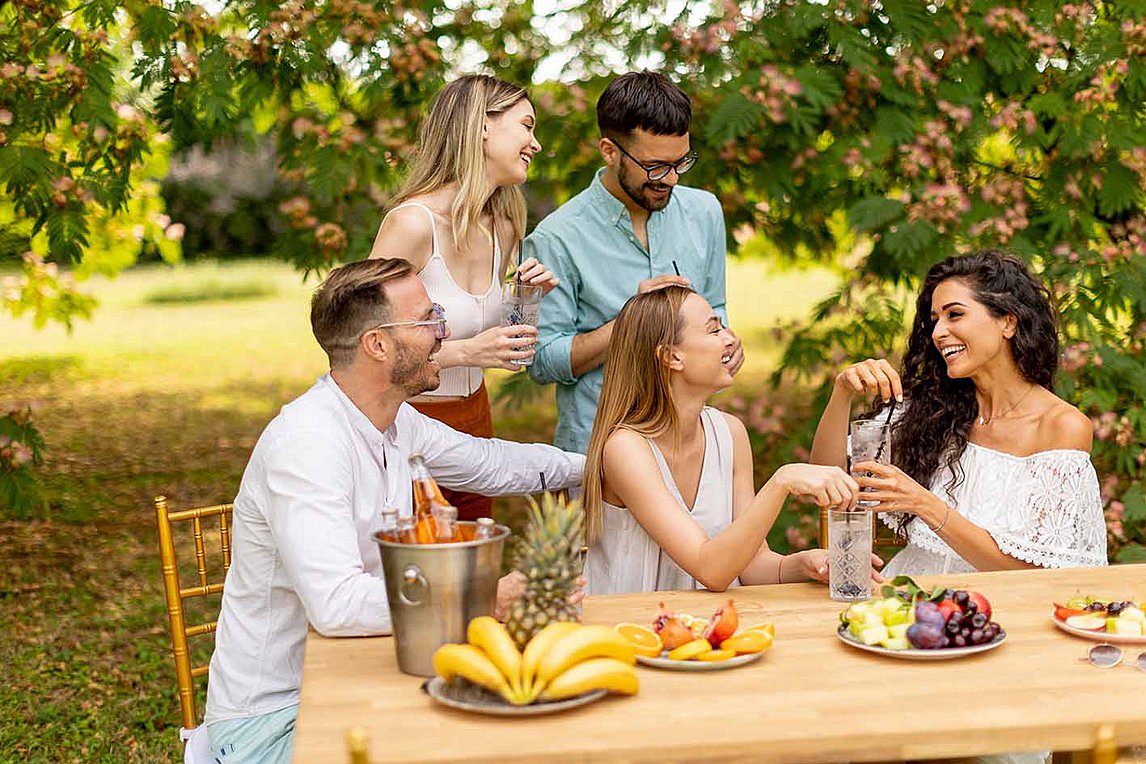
{"x": 406, "y": 530}
{"x": 486, "y": 528}
{"x": 389, "y": 529}
{"x": 428, "y": 500}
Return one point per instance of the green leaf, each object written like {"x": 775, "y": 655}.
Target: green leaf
{"x": 820, "y": 88}
{"x": 874, "y": 213}
{"x": 894, "y": 124}
{"x": 735, "y": 117}
{"x": 1119, "y": 189}
{"x": 24, "y": 166}
{"x": 1050, "y": 104}
{"x": 1134, "y": 500}
{"x": 1131, "y": 553}
{"x": 908, "y": 240}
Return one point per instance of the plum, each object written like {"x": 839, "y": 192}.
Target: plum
{"x": 928, "y": 612}
{"x": 925, "y": 636}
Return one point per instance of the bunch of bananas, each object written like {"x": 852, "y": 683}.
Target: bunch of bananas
{"x": 564, "y": 659}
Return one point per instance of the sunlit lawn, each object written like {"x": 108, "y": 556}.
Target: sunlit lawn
{"x": 169, "y": 398}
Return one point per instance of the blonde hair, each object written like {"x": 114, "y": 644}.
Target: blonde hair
{"x": 450, "y": 151}
{"x": 635, "y": 393}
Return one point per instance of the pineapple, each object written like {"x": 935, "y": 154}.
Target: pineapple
{"x": 549, "y": 555}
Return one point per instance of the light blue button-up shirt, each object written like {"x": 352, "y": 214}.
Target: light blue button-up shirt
{"x": 590, "y": 245}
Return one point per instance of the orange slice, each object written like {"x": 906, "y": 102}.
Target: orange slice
{"x": 644, "y": 640}
{"x": 747, "y": 642}
{"x": 767, "y": 628}
{"x": 716, "y": 655}
{"x": 690, "y": 650}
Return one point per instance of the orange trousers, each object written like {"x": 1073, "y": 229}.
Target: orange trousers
{"x": 472, "y": 416}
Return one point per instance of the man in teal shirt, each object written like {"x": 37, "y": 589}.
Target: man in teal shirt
{"x": 632, "y": 230}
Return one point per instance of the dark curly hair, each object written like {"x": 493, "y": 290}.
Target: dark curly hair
{"x": 935, "y": 425}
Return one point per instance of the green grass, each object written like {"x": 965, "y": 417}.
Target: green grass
{"x": 209, "y": 290}
{"x": 169, "y": 398}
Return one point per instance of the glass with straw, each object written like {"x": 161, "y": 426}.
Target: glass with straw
{"x": 850, "y": 531}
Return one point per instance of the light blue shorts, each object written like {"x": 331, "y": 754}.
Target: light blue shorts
{"x": 268, "y": 738}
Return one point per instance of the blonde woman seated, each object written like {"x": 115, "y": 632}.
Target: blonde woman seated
{"x": 669, "y": 496}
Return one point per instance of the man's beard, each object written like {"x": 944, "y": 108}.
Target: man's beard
{"x": 636, "y": 191}
{"x": 412, "y": 372}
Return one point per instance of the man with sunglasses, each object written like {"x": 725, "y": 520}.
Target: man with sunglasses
{"x": 308, "y": 506}
{"x": 634, "y": 229}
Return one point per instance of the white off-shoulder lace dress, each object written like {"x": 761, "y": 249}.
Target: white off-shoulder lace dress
{"x": 1045, "y": 509}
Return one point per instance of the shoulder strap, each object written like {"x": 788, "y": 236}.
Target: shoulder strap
{"x": 433, "y": 228}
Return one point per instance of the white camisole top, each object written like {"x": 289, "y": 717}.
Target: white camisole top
{"x": 626, "y": 559}
{"x": 468, "y": 314}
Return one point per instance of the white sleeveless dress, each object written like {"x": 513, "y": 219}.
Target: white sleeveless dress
{"x": 626, "y": 559}
{"x": 468, "y": 314}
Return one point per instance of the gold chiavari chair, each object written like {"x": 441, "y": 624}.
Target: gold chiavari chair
{"x": 358, "y": 745}
{"x": 185, "y": 673}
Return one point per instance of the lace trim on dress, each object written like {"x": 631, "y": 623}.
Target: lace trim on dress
{"x": 1044, "y": 509}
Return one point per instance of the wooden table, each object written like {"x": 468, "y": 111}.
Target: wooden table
{"x": 810, "y": 699}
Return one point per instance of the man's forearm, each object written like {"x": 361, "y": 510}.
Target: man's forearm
{"x": 590, "y": 349}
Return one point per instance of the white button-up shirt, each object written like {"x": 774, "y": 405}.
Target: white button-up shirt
{"x": 305, "y": 515}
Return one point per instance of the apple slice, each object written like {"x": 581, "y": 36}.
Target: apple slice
{"x": 1123, "y": 627}
{"x": 1088, "y": 622}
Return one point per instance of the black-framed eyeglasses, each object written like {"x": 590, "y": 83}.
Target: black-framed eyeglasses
{"x": 438, "y": 322}
{"x": 660, "y": 170}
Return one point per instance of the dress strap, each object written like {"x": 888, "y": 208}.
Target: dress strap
{"x": 433, "y": 227}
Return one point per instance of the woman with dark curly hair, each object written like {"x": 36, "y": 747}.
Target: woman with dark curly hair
{"x": 990, "y": 469}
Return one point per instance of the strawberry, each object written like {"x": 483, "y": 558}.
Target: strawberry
{"x": 1062, "y": 612}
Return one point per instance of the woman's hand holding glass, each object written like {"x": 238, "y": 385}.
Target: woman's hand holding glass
{"x": 500, "y": 346}
{"x": 896, "y": 491}
{"x": 814, "y": 565}
{"x": 827, "y": 486}
{"x": 532, "y": 272}
{"x": 874, "y": 376}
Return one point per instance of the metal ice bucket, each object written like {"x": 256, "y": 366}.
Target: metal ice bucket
{"x": 435, "y": 590}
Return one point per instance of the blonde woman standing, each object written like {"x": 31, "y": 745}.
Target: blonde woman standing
{"x": 669, "y": 495}
{"x": 459, "y": 218}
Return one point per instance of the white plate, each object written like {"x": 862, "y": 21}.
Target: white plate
{"x": 914, "y": 654}
{"x": 694, "y": 665}
{"x": 1100, "y": 636}
{"x": 469, "y": 697}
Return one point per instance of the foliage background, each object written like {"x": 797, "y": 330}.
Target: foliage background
{"x": 872, "y": 137}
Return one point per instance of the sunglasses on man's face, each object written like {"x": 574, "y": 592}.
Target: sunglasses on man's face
{"x": 1109, "y": 656}
{"x": 438, "y": 322}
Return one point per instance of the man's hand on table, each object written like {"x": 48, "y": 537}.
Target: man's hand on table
{"x": 511, "y": 586}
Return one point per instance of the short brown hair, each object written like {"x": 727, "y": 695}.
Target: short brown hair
{"x": 350, "y": 301}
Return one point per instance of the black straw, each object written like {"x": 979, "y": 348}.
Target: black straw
{"x": 675, "y": 268}
{"x": 543, "y": 488}
{"x": 883, "y": 441}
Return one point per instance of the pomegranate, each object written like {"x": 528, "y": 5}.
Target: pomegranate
{"x": 722, "y": 625}
{"x": 672, "y": 631}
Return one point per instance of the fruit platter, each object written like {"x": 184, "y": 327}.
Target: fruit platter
{"x": 683, "y": 642}
{"x": 563, "y": 666}
{"x": 909, "y": 622}
{"x": 1104, "y": 621}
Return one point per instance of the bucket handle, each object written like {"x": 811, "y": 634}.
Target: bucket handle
{"x": 414, "y": 586}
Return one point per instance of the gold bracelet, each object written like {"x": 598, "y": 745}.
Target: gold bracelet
{"x": 780, "y": 570}
{"x": 946, "y": 517}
